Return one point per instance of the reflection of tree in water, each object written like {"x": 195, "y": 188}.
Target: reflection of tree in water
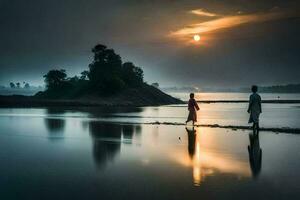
{"x": 138, "y": 130}
{"x": 255, "y": 154}
{"x": 55, "y": 126}
{"x": 109, "y": 111}
{"x": 55, "y": 111}
{"x": 128, "y": 131}
{"x": 106, "y": 141}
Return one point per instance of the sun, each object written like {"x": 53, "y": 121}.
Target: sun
{"x": 197, "y": 38}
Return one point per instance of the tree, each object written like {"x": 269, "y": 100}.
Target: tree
{"x": 26, "y": 86}
{"x": 106, "y": 75}
{"x": 12, "y": 85}
{"x": 105, "y": 70}
{"x": 55, "y": 78}
{"x": 84, "y": 75}
{"x": 18, "y": 85}
{"x": 132, "y": 75}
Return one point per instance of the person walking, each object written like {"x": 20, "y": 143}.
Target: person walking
{"x": 254, "y": 108}
{"x": 193, "y": 108}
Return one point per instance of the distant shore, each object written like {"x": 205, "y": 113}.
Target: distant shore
{"x": 246, "y": 101}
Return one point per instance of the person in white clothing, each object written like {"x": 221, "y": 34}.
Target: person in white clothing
{"x": 254, "y": 108}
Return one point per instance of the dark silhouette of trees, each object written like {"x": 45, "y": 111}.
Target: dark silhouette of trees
{"x": 106, "y": 75}
{"x": 109, "y": 75}
{"x": 290, "y": 88}
{"x": 26, "y": 86}
{"x": 12, "y": 85}
{"x": 84, "y": 75}
{"x": 132, "y": 75}
{"x": 18, "y": 85}
{"x": 55, "y": 78}
{"x": 105, "y": 70}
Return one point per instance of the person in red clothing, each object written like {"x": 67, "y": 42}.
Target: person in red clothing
{"x": 192, "y": 107}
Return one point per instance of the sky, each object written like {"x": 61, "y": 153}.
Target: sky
{"x": 241, "y": 42}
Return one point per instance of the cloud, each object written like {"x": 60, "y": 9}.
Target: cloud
{"x": 202, "y": 12}
{"x": 225, "y": 22}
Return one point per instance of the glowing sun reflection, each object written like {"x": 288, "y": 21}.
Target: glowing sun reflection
{"x": 206, "y": 161}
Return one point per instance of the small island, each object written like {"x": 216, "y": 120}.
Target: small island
{"x": 108, "y": 81}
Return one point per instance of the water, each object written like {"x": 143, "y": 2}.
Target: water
{"x": 68, "y": 154}
{"x": 273, "y": 116}
{"x": 75, "y": 153}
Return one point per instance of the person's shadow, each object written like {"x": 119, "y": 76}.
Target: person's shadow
{"x": 255, "y": 154}
{"x": 191, "y": 141}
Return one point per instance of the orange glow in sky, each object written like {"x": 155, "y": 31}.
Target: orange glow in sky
{"x": 211, "y": 22}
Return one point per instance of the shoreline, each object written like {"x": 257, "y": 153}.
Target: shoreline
{"x": 287, "y": 130}
{"x": 19, "y": 101}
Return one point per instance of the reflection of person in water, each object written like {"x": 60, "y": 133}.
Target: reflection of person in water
{"x": 194, "y": 153}
{"x": 191, "y": 141}
{"x": 255, "y": 154}
{"x": 254, "y": 108}
{"x": 192, "y": 107}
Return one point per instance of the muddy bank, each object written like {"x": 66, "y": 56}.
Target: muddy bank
{"x": 275, "y": 130}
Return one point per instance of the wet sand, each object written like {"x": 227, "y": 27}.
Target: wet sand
{"x": 276, "y": 130}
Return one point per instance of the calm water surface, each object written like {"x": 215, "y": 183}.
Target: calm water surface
{"x": 63, "y": 154}
{"x": 274, "y": 115}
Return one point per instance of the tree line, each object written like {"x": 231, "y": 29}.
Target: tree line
{"x": 106, "y": 75}
{"x": 17, "y": 85}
